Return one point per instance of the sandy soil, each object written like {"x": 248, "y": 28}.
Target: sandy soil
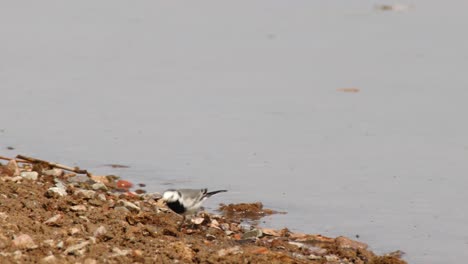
{"x": 49, "y": 215}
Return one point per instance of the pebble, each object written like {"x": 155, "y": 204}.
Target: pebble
{"x": 60, "y": 244}
{"x": 137, "y": 253}
{"x": 100, "y": 231}
{"x": 210, "y": 237}
{"x": 332, "y": 258}
{"x": 17, "y": 254}
{"x": 54, "y": 220}
{"x": 197, "y": 220}
{"x": 78, "y": 208}
{"x": 3, "y": 216}
{"x": 53, "y": 172}
{"x": 88, "y": 194}
{"x": 102, "y": 197}
{"x": 24, "y": 241}
{"x": 122, "y": 184}
{"x": 225, "y": 226}
{"x": 255, "y": 233}
{"x": 74, "y": 230}
{"x": 15, "y": 179}
{"x": 49, "y": 260}
{"x": 214, "y": 224}
{"x": 129, "y": 205}
{"x": 119, "y": 252}
{"x": 12, "y": 168}
{"x": 30, "y": 175}
{"x": 59, "y": 189}
{"x": 48, "y": 242}
{"x": 99, "y": 186}
{"x": 77, "y": 249}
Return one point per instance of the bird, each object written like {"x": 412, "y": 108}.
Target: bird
{"x": 186, "y": 201}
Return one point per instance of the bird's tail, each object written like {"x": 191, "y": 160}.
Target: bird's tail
{"x": 208, "y": 194}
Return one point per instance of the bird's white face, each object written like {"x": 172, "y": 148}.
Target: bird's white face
{"x": 171, "y": 196}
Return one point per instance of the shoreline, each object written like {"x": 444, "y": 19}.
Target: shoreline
{"x": 60, "y": 214}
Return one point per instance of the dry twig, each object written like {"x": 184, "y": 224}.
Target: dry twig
{"x": 53, "y": 164}
{"x": 17, "y": 160}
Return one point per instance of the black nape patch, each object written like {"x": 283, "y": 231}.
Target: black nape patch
{"x": 176, "y": 207}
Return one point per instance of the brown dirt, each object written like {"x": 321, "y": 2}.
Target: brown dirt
{"x": 40, "y": 226}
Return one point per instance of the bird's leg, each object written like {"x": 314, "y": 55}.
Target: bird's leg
{"x": 182, "y": 223}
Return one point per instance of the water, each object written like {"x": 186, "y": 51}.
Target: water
{"x": 242, "y": 95}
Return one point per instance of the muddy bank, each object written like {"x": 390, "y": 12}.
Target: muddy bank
{"x": 52, "y": 215}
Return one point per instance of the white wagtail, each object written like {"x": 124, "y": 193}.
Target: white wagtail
{"x": 186, "y": 201}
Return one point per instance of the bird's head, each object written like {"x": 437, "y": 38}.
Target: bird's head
{"x": 171, "y": 196}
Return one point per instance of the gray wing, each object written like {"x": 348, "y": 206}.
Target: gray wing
{"x": 192, "y": 198}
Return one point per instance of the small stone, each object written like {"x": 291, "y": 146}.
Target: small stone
{"x": 197, "y": 220}
{"x": 313, "y": 257}
{"x": 252, "y": 234}
{"x": 332, "y": 258}
{"x": 74, "y": 230}
{"x": 210, "y": 237}
{"x": 122, "y": 184}
{"x": 225, "y": 226}
{"x": 4, "y": 241}
{"x": 48, "y": 242}
{"x": 24, "y": 241}
{"x": 129, "y": 205}
{"x": 14, "y": 179}
{"x": 119, "y": 252}
{"x": 73, "y": 178}
{"x": 99, "y": 186}
{"x": 30, "y": 175}
{"x": 137, "y": 253}
{"x": 100, "y": 231}
{"x": 56, "y": 191}
{"x": 49, "y": 260}
{"x": 17, "y": 254}
{"x": 55, "y": 220}
{"x": 60, "y": 245}
{"x": 12, "y": 168}
{"x": 78, "y": 208}
{"x": 95, "y": 202}
{"x": 53, "y": 172}
{"x": 3, "y": 216}
{"x": 214, "y": 224}
{"x": 77, "y": 249}
{"x": 102, "y": 197}
{"x": 88, "y": 194}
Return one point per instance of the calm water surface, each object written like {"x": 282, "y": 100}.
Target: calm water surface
{"x": 243, "y": 95}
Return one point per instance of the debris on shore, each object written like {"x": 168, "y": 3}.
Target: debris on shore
{"x": 52, "y": 213}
